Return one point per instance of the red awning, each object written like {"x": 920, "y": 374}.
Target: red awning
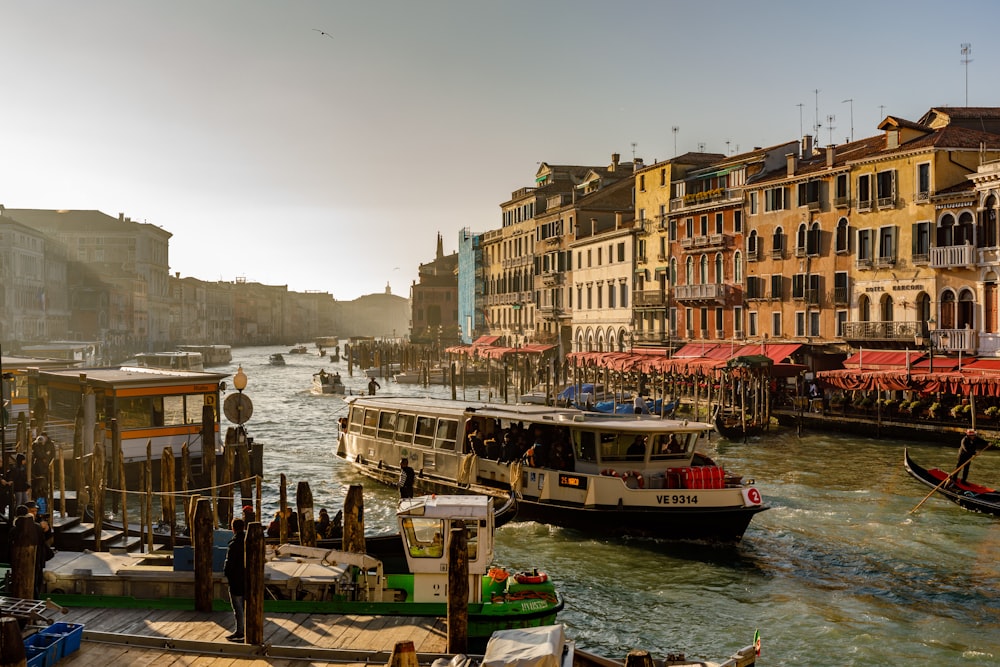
{"x": 972, "y": 364}
{"x": 486, "y": 340}
{"x": 458, "y": 349}
{"x": 877, "y": 360}
{"x": 776, "y": 352}
{"x": 941, "y": 364}
{"x": 536, "y": 348}
{"x": 696, "y": 350}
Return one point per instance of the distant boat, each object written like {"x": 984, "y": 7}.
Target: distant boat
{"x": 171, "y": 361}
{"x": 328, "y": 383}
{"x": 298, "y": 349}
{"x": 277, "y": 359}
{"x": 327, "y": 341}
{"x": 212, "y": 355}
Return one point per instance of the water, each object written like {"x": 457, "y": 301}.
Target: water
{"x": 836, "y": 572}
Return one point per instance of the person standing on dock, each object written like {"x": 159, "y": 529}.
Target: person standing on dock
{"x": 235, "y": 571}
{"x": 406, "y": 478}
{"x": 18, "y": 477}
{"x": 970, "y": 444}
{"x": 372, "y": 386}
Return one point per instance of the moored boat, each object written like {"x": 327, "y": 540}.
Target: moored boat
{"x": 298, "y": 349}
{"x": 973, "y": 497}
{"x": 276, "y": 359}
{"x": 734, "y": 427}
{"x": 212, "y": 355}
{"x": 313, "y": 580}
{"x": 612, "y": 474}
{"x": 173, "y": 361}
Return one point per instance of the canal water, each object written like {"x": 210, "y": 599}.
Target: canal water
{"x": 837, "y": 572}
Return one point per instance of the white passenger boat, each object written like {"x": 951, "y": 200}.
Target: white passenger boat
{"x": 328, "y": 383}
{"x": 613, "y": 474}
{"x": 171, "y": 361}
{"x": 212, "y": 355}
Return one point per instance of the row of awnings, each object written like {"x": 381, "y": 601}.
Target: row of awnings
{"x": 692, "y": 358}
{"x": 914, "y": 370}
{"x": 485, "y": 347}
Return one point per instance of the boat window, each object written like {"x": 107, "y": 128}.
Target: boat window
{"x": 424, "y": 536}
{"x": 668, "y": 446}
{"x": 357, "y": 416}
{"x": 404, "y": 428}
{"x": 472, "y": 537}
{"x": 585, "y": 446}
{"x": 386, "y": 425}
{"x": 623, "y": 446}
{"x": 175, "y": 412}
{"x": 425, "y": 432}
{"x": 135, "y": 412}
{"x": 192, "y": 408}
{"x": 446, "y": 432}
{"x": 371, "y": 419}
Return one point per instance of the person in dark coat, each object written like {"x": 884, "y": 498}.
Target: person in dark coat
{"x": 407, "y": 476}
{"x": 235, "y": 571}
{"x": 323, "y": 525}
{"x": 968, "y": 448}
{"x": 24, "y": 520}
{"x": 18, "y": 477}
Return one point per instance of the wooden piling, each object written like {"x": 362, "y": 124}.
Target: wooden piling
{"x": 168, "y": 501}
{"x": 12, "y": 644}
{"x": 226, "y": 510}
{"x": 458, "y": 589}
{"x": 78, "y": 460}
{"x": 24, "y": 544}
{"x": 117, "y": 481}
{"x": 260, "y": 484}
{"x": 62, "y": 483}
{"x": 208, "y": 454}
{"x": 638, "y": 658}
{"x": 98, "y": 492}
{"x": 148, "y": 497}
{"x": 253, "y": 593}
{"x": 185, "y": 478}
{"x": 403, "y": 655}
{"x": 201, "y": 537}
{"x": 283, "y": 510}
{"x": 307, "y": 522}
{"x": 124, "y": 485}
{"x": 354, "y": 520}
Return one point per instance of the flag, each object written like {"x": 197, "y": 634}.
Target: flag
{"x": 756, "y": 641}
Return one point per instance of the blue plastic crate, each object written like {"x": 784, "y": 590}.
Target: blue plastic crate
{"x": 46, "y": 646}
{"x": 71, "y": 635}
{"x": 36, "y": 657}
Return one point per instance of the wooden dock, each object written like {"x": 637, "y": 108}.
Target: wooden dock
{"x": 173, "y": 637}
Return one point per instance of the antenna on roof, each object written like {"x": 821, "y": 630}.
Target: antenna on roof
{"x": 701, "y": 146}
{"x": 830, "y": 126}
{"x": 817, "y": 112}
{"x": 633, "y": 152}
{"x": 851, "y": 100}
{"x": 801, "y": 131}
{"x": 675, "y": 129}
{"x": 966, "y": 52}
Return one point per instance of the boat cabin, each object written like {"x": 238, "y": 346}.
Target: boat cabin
{"x": 175, "y": 361}
{"x": 425, "y": 525}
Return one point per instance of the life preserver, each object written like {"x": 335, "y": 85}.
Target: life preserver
{"x": 534, "y": 577}
{"x": 634, "y": 474}
{"x": 608, "y": 472}
{"x": 498, "y": 574}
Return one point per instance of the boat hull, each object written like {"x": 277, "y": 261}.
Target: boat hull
{"x": 972, "y": 497}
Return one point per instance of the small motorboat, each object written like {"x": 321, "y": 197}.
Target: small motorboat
{"x": 276, "y": 359}
{"x": 973, "y": 497}
{"x": 298, "y": 349}
{"x": 328, "y": 383}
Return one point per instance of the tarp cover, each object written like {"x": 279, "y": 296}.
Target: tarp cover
{"x": 527, "y": 647}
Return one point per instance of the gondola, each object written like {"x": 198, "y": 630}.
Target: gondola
{"x": 973, "y": 497}
{"x": 732, "y": 428}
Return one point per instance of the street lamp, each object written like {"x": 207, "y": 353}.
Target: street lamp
{"x": 240, "y": 379}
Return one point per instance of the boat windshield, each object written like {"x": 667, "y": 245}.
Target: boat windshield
{"x": 425, "y": 537}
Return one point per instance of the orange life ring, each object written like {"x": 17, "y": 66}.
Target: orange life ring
{"x": 498, "y": 574}
{"x": 608, "y": 472}
{"x": 534, "y": 577}
{"x": 640, "y": 482}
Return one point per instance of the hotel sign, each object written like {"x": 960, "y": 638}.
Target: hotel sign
{"x": 896, "y": 288}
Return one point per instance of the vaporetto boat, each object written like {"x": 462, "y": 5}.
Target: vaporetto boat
{"x": 611, "y": 474}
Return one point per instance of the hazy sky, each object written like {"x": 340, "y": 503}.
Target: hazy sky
{"x": 330, "y": 162}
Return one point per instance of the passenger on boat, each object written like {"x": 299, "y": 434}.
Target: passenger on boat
{"x": 537, "y": 455}
{"x": 406, "y": 478}
{"x": 637, "y": 449}
{"x": 671, "y": 446}
{"x": 372, "y": 386}
{"x": 492, "y": 448}
{"x": 323, "y": 525}
{"x": 476, "y": 444}
{"x": 508, "y": 448}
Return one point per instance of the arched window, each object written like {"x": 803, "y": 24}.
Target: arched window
{"x": 703, "y": 274}
{"x": 990, "y": 324}
{"x": 673, "y": 271}
{"x": 800, "y": 237}
{"x": 946, "y": 230}
{"x": 812, "y": 242}
{"x": 777, "y": 240}
{"x": 966, "y": 310}
{"x": 843, "y": 235}
{"x": 738, "y": 268}
{"x": 690, "y": 271}
{"x": 752, "y": 245}
{"x": 966, "y": 229}
{"x": 948, "y": 314}
{"x": 886, "y": 309}
{"x": 718, "y": 269}
{"x": 864, "y": 308}
{"x": 923, "y": 307}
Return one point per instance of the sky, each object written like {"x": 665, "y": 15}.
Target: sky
{"x": 323, "y": 145}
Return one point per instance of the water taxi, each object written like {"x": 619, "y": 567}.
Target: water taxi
{"x": 612, "y": 474}
{"x": 212, "y": 355}
{"x": 276, "y": 359}
{"x": 328, "y": 383}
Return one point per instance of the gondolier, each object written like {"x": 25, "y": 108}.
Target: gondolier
{"x": 967, "y": 449}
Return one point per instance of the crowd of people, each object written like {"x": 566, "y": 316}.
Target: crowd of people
{"x": 539, "y": 446}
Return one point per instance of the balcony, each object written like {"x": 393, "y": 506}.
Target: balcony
{"x": 955, "y": 340}
{"x": 921, "y": 197}
{"x": 710, "y": 292}
{"x": 707, "y": 197}
{"x": 650, "y": 338}
{"x": 777, "y": 253}
{"x": 885, "y": 262}
{"x": 753, "y": 255}
{"x": 841, "y": 296}
{"x": 552, "y": 278}
{"x": 881, "y": 331}
{"x": 953, "y": 256}
{"x": 864, "y": 205}
{"x": 886, "y": 202}
{"x": 648, "y": 298}
{"x": 841, "y": 202}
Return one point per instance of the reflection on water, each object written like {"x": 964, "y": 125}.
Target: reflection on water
{"x": 838, "y": 571}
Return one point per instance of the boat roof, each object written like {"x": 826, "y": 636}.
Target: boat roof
{"x": 466, "y": 506}
{"x": 132, "y": 376}
{"x": 529, "y": 412}
{"x": 24, "y": 363}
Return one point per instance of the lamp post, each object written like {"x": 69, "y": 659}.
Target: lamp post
{"x": 240, "y": 383}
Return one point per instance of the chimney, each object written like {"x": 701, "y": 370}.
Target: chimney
{"x": 177, "y": 274}
{"x": 807, "y": 145}
{"x": 831, "y": 153}
{"x": 593, "y": 226}
{"x": 615, "y": 157}
{"x": 792, "y": 163}
{"x": 121, "y": 217}
{"x": 637, "y": 165}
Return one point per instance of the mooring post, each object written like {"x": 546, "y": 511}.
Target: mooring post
{"x": 403, "y": 655}
{"x": 307, "y": 523}
{"x": 168, "y": 499}
{"x": 253, "y": 594}
{"x": 283, "y": 510}
{"x": 354, "y": 520}
{"x": 12, "y": 644}
{"x": 202, "y": 540}
{"x": 23, "y": 546}
{"x": 458, "y": 589}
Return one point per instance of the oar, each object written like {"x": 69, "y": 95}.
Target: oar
{"x": 945, "y": 480}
